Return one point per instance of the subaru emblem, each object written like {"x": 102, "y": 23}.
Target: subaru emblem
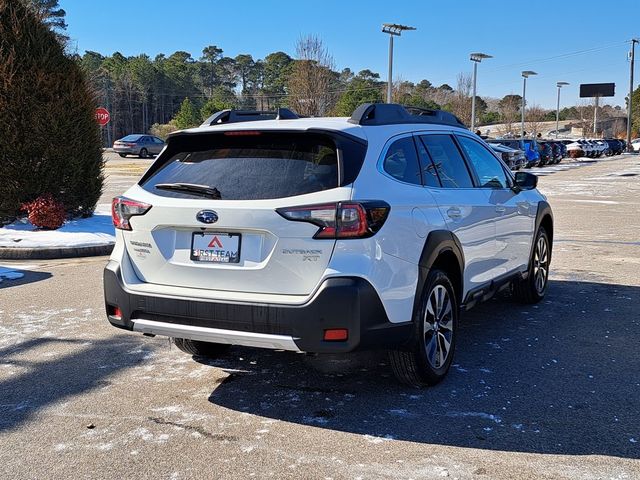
{"x": 207, "y": 216}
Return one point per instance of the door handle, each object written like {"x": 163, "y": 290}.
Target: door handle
{"x": 454, "y": 212}
{"x": 501, "y": 209}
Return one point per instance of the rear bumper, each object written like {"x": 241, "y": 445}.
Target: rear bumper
{"x": 129, "y": 150}
{"x": 341, "y": 303}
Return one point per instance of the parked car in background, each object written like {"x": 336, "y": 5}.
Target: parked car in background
{"x": 624, "y": 145}
{"x": 546, "y": 152}
{"x": 602, "y": 148}
{"x": 587, "y": 148}
{"x": 514, "y": 158}
{"x": 138, "y": 144}
{"x": 614, "y": 145}
{"x": 556, "y": 151}
{"x": 598, "y": 147}
{"x": 635, "y": 144}
{"x": 563, "y": 149}
{"x": 576, "y": 150}
{"x": 528, "y": 146}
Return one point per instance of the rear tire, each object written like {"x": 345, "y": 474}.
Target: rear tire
{"x": 144, "y": 153}
{"x": 534, "y": 288}
{"x": 201, "y": 349}
{"x": 122, "y": 155}
{"x": 436, "y": 321}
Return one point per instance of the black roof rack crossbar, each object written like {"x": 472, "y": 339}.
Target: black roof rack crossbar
{"x": 393, "y": 114}
{"x": 236, "y": 116}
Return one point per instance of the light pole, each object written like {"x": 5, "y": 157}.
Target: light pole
{"x": 526, "y": 74}
{"x": 631, "y": 55}
{"x": 476, "y": 58}
{"x": 392, "y": 29}
{"x": 559, "y": 85}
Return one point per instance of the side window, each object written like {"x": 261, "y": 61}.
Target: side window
{"x": 157, "y": 140}
{"x": 448, "y": 161}
{"x": 401, "y": 161}
{"x": 487, "y": 166}
{"x": 429, "y": 173}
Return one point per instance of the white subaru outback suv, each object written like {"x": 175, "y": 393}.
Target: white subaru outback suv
{"x": 325, "y": 235}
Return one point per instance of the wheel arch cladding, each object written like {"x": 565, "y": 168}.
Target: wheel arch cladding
{"x": 544, "y": 218}
{"x": 441, "y": 250}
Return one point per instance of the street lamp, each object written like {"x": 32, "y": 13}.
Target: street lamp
{"x": 559, "y": 85}
{"x": 476, "y": 58}
{"x": 526, "y": 74}
{"x": 392, "y": 29}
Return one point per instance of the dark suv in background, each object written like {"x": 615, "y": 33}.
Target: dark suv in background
{"x": 546, "y": 152}
{"x": 528, "y": 146}
{"x": 615, "y": 146}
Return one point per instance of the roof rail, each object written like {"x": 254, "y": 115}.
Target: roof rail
{"x": 393, "y": 114}
{"x": 236, "y": 116}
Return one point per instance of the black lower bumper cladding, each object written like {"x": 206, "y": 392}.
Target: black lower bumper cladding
{"x": 343, "y": 302}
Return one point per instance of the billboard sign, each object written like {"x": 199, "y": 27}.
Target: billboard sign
{"x": 590, "y": 90}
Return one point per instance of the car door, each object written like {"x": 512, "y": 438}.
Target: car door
{"x": 462, "y": 205}
{"x": 514, "y": 214}
{"x": 156, "y": 145}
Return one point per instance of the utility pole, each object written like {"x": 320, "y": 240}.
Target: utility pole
{"x": 393, "y": 29}
{"x": 629, "y": 102}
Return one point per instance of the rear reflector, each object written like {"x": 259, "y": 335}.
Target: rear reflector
{"x": 114, "y": 311}
{"x": 336, "y": 335}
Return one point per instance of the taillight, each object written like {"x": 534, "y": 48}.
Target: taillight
{"x": 122, "y": 209}
{"x": 341, "y": 219}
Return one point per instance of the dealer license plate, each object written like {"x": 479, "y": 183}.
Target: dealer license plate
{"x": 215, "y": 247}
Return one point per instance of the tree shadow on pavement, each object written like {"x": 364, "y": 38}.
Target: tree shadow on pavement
{"x": 28, "y": 276}
{"x": 560, "y": 377}
{"x": 79, "y": 366}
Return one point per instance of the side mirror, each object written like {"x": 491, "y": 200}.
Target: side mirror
{"x": 526, "y": 181}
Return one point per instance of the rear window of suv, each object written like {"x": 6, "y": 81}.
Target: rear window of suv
{"x": 248, "y": 165}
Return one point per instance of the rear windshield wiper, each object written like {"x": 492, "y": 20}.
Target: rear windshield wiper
{"x": 192, "y": 188}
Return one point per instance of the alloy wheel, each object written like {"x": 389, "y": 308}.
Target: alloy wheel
{"x": 541, "y": 264}
{"x": 438, "y": 326}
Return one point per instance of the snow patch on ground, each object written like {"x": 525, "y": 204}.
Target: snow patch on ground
{"x": 82, "y": 232}
{"x": 483, "y": 415}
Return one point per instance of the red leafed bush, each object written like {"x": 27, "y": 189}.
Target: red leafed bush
{"x": 45, "y": 212}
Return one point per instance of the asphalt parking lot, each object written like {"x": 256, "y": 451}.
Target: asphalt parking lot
{"x": 545, "y": 391}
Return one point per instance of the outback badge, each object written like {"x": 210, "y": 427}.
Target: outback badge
{"x": 207, "y": 216}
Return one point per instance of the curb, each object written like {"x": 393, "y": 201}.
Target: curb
{"x": 8, "y": 253}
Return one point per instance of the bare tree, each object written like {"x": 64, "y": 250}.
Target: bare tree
{"x": 534, "y": 116}
{"x": 401, "y": 90}
{"x": 509, "y": 110}
{"x": 311, "y": 78}
{"x": 461, "y": 100}
{"x": 585, "y": 114}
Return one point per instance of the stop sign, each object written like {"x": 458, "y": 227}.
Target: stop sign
{"x": 102, "y": 116}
